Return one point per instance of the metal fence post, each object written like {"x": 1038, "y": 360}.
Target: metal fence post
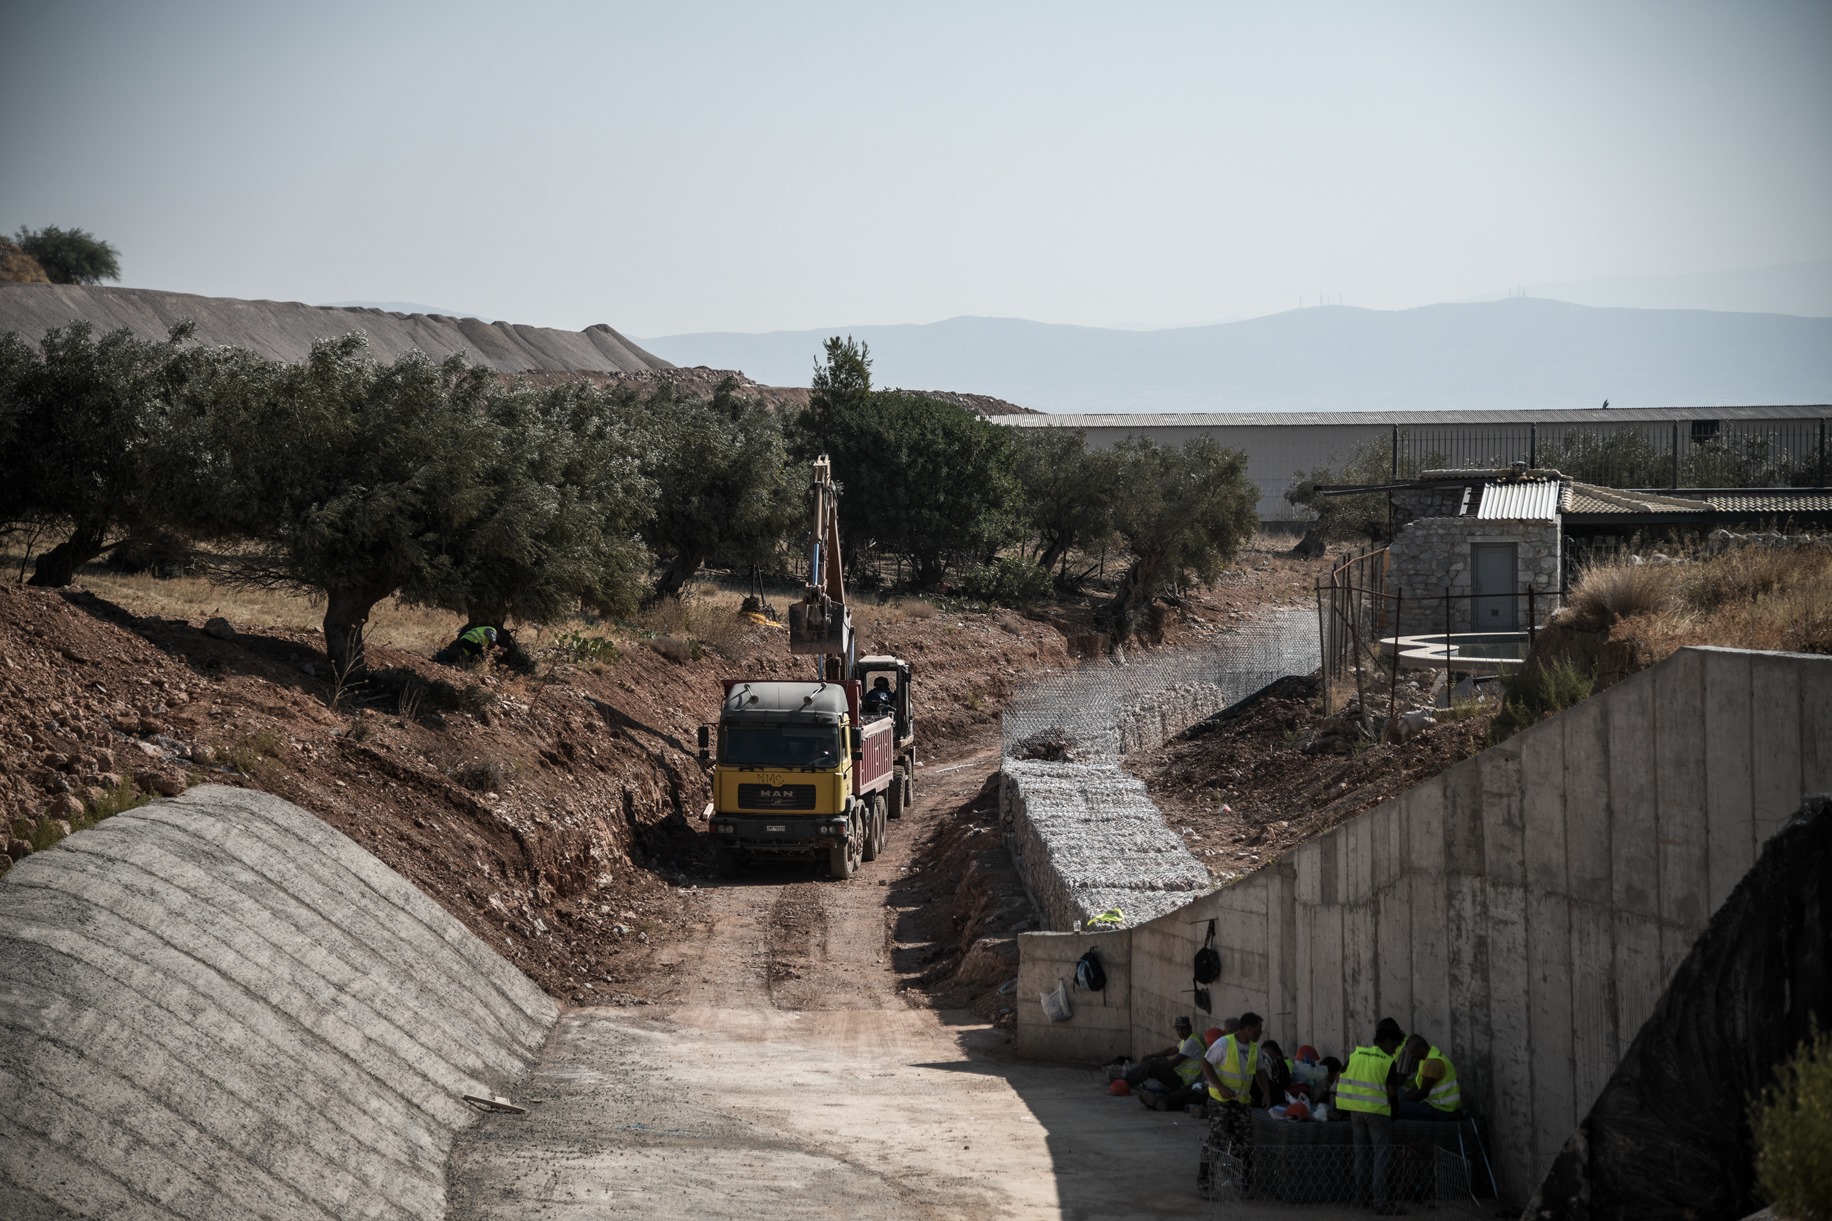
{"x": 1395, "y": 475}
{"x": 1533, "y": 446}
{"x": 1822, "y": 451}
{"x": 1447, "y": 648}
{"x": 1675, "y": 482}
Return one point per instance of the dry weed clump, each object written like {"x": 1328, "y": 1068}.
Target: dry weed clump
{"x": 1753, "y": 598}
{"x": 1606, "y": 593}
{"x": 705, "y": 616}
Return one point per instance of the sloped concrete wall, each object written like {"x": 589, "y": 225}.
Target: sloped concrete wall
{"x": 217, "y": 1006}
{"x": 1524, "y": 909}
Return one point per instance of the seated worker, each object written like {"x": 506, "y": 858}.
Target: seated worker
{"x": 1278, "y": 1076}
{"x": 1175, "y": 1068}
{"x": 880, "y": 701}
{"x": 1432, "y": 1093}
{"x": 471, "y": 645}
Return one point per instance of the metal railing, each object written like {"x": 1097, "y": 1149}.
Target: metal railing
{"x": 1354, "y": 619}
{"x": 1649, "y": 455}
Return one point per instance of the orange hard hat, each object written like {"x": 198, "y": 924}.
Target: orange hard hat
{"x": 1297, "y": 1110}
{"x": 1210, "y": 1035}
{"x": 1119, "y": 1087}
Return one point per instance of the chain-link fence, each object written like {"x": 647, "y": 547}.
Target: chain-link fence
{"x": 1110, "y": 707}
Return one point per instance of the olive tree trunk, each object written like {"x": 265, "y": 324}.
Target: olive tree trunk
{"x": 346, "y": 615}
{"x": 57, "y": 567}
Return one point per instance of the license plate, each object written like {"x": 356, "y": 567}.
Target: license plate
{"x": 776, "y": 827}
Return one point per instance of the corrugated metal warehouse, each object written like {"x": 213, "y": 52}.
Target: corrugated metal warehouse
{"x": 1283, "y": 445}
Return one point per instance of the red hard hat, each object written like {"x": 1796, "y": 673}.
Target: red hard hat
{"x": 1297, "y": 1110}
{"x": 1211, "y": 1035}
{"x": 1118, "y": 1086}
{"x": 1308, "y": 1054}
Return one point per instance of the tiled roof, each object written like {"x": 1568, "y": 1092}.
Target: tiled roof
{"x": 1780, "y": 501}
{"x": 1589, "y": 498}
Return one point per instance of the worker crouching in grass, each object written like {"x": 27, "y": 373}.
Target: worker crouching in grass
{"x": 1231, "y": 1068}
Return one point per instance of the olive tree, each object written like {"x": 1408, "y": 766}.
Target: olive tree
{"x": 727, "y": 488}
{"x": 70, "y": 256}
{"x": 89, "y": 419}
{"x": 1182, "y": 512}
{"x": 356, "y": 481}
{"x": 1068, "y": 492}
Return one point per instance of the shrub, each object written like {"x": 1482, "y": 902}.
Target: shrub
{"x": 579, "y": 647}
{"x": 1792, "y": 1124}
{"x": 1606, "y": 593}
{"x": 482, "y": 775}
{"x": 1006, "y": 582}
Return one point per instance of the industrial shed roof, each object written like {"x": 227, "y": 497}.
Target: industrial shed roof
{"x": 1266, "y": 419}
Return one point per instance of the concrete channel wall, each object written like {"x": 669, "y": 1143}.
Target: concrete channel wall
{"x": 217, "y": 1006}
{"x": 1524, "y": 909}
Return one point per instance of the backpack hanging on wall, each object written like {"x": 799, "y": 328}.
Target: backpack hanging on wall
{"x": 1089, "y": 973}
{"x": 1207, "y": 967}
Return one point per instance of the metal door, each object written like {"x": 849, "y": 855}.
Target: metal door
{"x": 1492, "y": 580}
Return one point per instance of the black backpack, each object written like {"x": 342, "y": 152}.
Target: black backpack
{"x": 1089, "y": 973}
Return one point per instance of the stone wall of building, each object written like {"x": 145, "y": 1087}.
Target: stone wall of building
{"x": 1431, "y": 557}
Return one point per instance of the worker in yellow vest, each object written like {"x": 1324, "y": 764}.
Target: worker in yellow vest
{"x": 1365, "y": 1091}
{"x": 1230, "y": 1068}
{"x": 1433, "y": 1093}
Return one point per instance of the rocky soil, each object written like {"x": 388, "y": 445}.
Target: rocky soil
{"x": 1244, "y": 787}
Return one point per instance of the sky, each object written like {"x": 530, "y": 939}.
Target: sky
{"x": 695, "y": 167}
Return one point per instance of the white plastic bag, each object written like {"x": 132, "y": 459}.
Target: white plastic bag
{"x": 1056, "y": 1003}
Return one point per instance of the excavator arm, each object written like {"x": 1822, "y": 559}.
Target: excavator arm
{"x": 821, "y": 623}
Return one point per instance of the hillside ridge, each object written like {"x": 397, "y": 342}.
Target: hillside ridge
{"x": 286, "y": 330}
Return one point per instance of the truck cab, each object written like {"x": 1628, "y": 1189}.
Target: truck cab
{"x": 799, "y": 773}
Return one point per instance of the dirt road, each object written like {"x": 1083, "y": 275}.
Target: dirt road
{"x": 786, "y": 1076}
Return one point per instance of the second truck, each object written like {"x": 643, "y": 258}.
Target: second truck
{"x": 814, "y": 770}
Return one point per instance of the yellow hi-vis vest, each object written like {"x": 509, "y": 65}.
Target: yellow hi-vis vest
{"x": 1192, "y": 1051}
{"x": 1363, "y": 1084}
{"x": 1445, "y": 1094}
{"x": 1236, "y": 1072}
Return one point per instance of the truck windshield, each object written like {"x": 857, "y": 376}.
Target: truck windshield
{"x": 779, "y": 745}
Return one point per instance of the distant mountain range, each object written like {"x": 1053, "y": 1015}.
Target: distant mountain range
{"x": 1515, "y": 353}
{"x": 1788, "y": 288}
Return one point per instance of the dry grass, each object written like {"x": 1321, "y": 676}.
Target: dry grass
{"x": 705, "y": 616}
{"x": 1606, "y": 593}
{"x": 404, "y": 627}
{"x": 1752, "y": 598}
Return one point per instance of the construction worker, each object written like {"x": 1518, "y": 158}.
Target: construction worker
{"x": 1232, "y": 1067}
{"x": 1365, "y": 1091}
{"x": 880, "y": 701}
{"x": 471, "y": 645}
{"x": 1175, "y": 1068}
{"x": 1433, "y": 1093}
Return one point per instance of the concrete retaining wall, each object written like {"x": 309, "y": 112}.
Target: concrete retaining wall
{"x": 217, "y": 1006}
{"x": 1524, "y": 909}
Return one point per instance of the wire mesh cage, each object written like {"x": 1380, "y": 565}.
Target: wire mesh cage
{"x": 1106, "y": 708}
{"x": 1264, "y": 1165}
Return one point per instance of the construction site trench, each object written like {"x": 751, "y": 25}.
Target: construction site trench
{"x": 232, "y": 1003}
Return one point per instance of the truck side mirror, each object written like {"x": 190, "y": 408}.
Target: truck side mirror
{"x": 705, "y": 743}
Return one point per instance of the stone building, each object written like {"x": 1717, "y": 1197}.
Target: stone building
{"x": 1489, "y": 541}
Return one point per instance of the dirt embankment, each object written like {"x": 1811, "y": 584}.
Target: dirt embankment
{"x": 1244, "y": 787}
{"x": 557, "y": 815}
{"x": 286, "y": 330}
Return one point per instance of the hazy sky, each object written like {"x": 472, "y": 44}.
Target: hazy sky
{"x": 679, "y": 167}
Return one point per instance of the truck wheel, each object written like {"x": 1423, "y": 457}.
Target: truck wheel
{"x": 725, "y": 862}
{"x": 874, "y": 829}
{"x": 840, "y": 861}
{"x": 898, "y": 797}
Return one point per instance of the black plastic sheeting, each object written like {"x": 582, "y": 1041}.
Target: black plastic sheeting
{"x": 1669, "y": 1136}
